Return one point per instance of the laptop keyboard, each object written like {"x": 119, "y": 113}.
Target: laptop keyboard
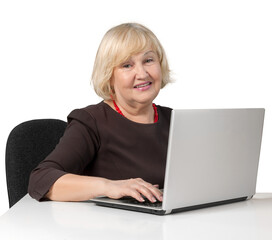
{"x": 147, "y": 203}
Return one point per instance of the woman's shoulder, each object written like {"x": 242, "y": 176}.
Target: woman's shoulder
{"x": 165, "y": 111}
{"x": 88, "y": 113}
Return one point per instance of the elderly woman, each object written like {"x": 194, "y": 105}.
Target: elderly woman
{"x": 117, "y": 147}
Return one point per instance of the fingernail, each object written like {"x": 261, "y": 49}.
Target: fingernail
{"x": 153, "y": 199}
{"x": 141, "y": 199}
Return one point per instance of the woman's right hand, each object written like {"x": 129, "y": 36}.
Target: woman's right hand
{"x": 71, "y": 187}
{"x": 134, "y": 187}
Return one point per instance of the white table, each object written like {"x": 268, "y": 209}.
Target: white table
{"x": 29, "y": 219}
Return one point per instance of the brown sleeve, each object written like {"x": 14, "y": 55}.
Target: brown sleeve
{"x": 74, "y": 152}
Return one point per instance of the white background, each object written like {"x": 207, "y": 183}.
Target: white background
{"x": 220, "y": 54}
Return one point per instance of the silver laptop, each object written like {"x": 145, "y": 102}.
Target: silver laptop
{"x": 212, "y": 159}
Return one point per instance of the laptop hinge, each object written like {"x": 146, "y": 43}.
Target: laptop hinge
{"x": 168, "y": 211}
{"x": 249, "y": 197}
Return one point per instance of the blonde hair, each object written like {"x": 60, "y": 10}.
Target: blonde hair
{"x": 117, "y": 45}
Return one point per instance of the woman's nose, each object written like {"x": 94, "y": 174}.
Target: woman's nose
{"x": 141, "y": 72}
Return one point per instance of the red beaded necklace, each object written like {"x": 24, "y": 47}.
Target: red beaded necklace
{"x": 156, "y": 116}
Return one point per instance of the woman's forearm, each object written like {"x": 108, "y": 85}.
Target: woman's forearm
{"x": 71, "y": 187}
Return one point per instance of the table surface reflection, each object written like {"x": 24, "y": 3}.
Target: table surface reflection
{"x": 29, "y": 219}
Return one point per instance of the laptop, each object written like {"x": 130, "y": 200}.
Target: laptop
{"x": 212, "y": 159}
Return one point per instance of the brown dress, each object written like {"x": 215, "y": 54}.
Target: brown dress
{"x": 100, "y": 142}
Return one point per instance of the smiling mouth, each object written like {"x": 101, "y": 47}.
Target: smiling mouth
{"x": 143, "y": 85}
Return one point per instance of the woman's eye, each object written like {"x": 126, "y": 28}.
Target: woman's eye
{"x": 149, "y": 60}
{"x": 127, "y": 65}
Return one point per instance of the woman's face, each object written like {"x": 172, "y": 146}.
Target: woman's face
{"x": 138, "y": 80}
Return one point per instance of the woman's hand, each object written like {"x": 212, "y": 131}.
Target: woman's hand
{"x": 71, "y": 187}
{"x": 134, "y": 187}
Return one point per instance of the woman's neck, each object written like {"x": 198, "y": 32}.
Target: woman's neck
{"x": 140, "y": 113}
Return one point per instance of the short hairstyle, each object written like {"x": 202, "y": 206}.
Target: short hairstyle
{"x": 117, "y": 46}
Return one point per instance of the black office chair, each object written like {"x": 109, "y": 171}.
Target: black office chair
{"x": 27, "y": 145}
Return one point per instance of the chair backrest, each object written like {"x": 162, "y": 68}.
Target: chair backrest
{"x": 27, "y": 145}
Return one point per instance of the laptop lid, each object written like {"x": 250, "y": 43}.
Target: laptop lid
{"x": 213, "y": 156}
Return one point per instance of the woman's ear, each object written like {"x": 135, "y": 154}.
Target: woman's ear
{"x": 112, "y": 85}
{"x": 112, "y": 90}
